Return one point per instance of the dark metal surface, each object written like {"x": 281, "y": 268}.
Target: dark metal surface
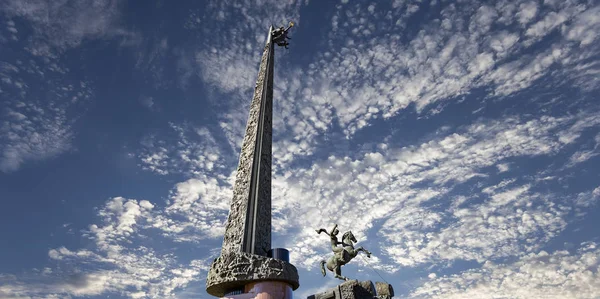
{"x": 281, "y": 254}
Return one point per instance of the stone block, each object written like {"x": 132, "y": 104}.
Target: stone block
{"x": 384, "y": 290}
{"x": 354, "y": 289}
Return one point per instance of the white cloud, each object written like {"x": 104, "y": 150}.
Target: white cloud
{"x": 118, "y": 266}
{"x": 436, "y": 64}
{"x": 547, "y": 24}
{"x": 503, "y": 42}
{"x": 146, "y": 205}
{"x": 388, "y": 186}
{"x": 520, "y": 74}
{"x": 508, "y": 223}
{"x": 586, "y": 200}
{"x": 560, "y": 274}
{"x": 35, "y": 138}
{"x": 585, "y": 27}
{"x": 37, "y": 122}
{"x": 503, "y": 167}
{"x": 194, "y": 151}
{"x": 527, "y": 11}
{"x": 41, "y": 101}
{"x": 371, "y": 8}
{"x": 197, "y": 210}
{"x": 580, "y": 157}
{"x": 231, "y": 67}
{"x": 353, "y": 84}
{"x": 132, "y": 281}
{"x": 58, "y": 26}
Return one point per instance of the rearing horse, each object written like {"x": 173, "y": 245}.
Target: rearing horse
{"x": 342, "y": 255}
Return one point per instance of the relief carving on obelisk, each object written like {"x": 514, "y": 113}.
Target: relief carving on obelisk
{"x": 247, "y": 240}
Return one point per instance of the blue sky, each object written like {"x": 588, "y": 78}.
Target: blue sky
{"x": 459, "y": 141}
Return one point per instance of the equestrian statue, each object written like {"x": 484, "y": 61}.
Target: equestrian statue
{"x": 341, "y": 254}
{"x": 280, "y": 36}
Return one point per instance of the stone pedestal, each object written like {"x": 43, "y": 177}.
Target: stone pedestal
{"x": 239, "y": 270}
{"x": 355, "y": 289}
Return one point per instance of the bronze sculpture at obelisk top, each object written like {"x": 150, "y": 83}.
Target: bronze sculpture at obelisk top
{"x": 247, "y": 266}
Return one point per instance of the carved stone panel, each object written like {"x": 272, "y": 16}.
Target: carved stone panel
{"x": 238, "y": 269}
{"x": 240, "y": 224}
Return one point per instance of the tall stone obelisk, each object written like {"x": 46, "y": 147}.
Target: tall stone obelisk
{"x": 247, "y": 266}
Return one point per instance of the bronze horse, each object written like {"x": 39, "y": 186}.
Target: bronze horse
{"x": 342, "y": 254}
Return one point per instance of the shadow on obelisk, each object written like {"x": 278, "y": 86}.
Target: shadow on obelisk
{"x": 354, "y": 289}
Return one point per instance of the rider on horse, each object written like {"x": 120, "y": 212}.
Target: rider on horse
{"x": 342, "y": 254}
{"x": 280, "y": 36}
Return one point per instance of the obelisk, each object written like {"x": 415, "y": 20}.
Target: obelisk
{"x": 247, "y": 266}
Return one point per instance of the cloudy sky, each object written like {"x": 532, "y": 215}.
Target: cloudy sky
{"x": 458, "y": 140}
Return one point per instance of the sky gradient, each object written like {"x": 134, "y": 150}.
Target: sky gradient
{"x": 458, "y": 140}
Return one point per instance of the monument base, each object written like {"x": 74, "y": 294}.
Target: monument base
{"x": 235, "y": 272}
{"x": 354, "y": 289}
